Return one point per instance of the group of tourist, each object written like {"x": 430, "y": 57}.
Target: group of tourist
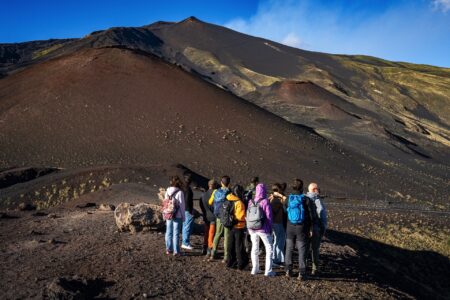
{"x": 247, "y": 217}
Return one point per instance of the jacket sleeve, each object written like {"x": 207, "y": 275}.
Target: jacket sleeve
{"x": 202, "y": 206}
{"x": 321, "y": 213}
{"x": 211, "y": 199}
{"x": 269, "y": 216}
{"x": 307, "y": 207}
{"x": 318, "y": 206}
{"x": 182, "y": 205}
{"x": 239, "y": 211}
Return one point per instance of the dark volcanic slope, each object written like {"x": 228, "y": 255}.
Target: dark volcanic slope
{"x": 409, "y": 101}
{"x": 114, "y": 106}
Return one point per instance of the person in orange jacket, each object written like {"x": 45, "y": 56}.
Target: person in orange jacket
{"x": 237, "y": 255}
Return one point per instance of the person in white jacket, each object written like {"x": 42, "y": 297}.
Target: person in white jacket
{"x": 173, "y": 226}
{"x": 314, "y": 195}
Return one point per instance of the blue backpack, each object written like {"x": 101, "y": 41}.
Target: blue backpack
{"x": 295, "y": 210}
{"x": 219, "y": 198}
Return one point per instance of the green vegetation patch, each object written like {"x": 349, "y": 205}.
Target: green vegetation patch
{"x": 41, "y": 53}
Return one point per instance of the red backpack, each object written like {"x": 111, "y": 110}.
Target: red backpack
{"x": 170, "y": 206}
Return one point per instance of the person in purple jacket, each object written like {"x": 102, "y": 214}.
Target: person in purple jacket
{"x": 264, "y": 233}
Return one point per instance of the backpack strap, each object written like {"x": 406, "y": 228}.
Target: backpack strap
{"x": 173, "y": 194}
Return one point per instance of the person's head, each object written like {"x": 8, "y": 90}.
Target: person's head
{"x": 212, "y": 184}
{"x": 276, "y": 187}
{"x": 260, "y": 192}
{"x": 254, "y": 180}
{"x": 225, "y": 181}
{"x": 313, "y": 188}
{"x": 175, "y": 181}
{"x": 188, "y": 179}
{"x": 238, "y": 191}
{"x": 297, "y": 185}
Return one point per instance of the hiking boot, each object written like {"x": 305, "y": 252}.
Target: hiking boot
{"x": 270, "y": 274}
{"x": 243, "y": 267}
{"x": 212, "y": 257}
{"x": 187, "y": 247}
{"x": 289, "y": 273}
{"x": 276, "y": 264}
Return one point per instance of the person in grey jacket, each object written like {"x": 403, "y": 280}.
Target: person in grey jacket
{"x": 320, "y": 227}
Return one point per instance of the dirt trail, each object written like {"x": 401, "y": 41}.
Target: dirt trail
{"x": 80, "y": 248}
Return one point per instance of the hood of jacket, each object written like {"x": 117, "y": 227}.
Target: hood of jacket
{"x": 232, "y": 197}
{"x": 312, "y": 195}
{"x": 261, "y": 192}
{"x": 170, "y": 190}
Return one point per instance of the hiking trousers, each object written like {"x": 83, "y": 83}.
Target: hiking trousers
{"x": 267, "y": 240}
{"x": 296, "y": 234}
{"x": 236, "y": 248}
{"x": 315, "y": 246}
{"x": 220, "y": 230}
{"x": 187, "y": 228}
{"x": 210, "y": 231}
{"x": 173, "y": 235}
{"x": 279, "y": 240}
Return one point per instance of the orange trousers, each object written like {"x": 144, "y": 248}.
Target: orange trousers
{"x": 210, "y": 231}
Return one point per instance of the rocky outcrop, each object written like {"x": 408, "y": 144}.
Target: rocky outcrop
{"x": 137, "y": 217}
{"x": 106, "y": 207}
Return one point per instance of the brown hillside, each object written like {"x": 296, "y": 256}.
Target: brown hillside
{"x": 113, "y": 106}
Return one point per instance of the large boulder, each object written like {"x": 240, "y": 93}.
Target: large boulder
{"x": 137, "y": 217}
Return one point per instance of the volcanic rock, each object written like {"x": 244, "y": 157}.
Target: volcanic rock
{"x": 26, "y": 206}
{"x": 135, "y": 218}
{"x": 106, "y": 207}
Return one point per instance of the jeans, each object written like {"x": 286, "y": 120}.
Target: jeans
{"x": 173, "y": 235}
{"x": 267, "y": 240}
{"x": 220, "y": 230}
{"x": 187, "y": 228}
{"x": 236, "y": 249}
{"x": 315, "y": 246}
{"x": 296, "y": 234}
{"x": 279, "y": 239}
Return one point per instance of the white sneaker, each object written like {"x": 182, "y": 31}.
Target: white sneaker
{"x": 187, "y": 247}
{"x": 255, "y": 272}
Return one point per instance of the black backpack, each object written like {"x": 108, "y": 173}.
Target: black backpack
{"x": 227, "y": 214}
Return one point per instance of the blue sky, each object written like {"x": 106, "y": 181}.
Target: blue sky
{"x": 415, "y": 31}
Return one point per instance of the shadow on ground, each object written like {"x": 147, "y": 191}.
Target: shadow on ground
{"x": 421, "y": 274}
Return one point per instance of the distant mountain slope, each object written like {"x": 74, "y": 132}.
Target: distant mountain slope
{"x": 115, "y": 106}
{"x": 410, "y": 101}
{"x": 392, "y": 118}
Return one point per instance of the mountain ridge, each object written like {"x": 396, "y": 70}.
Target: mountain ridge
{"x": 367, "y": 105}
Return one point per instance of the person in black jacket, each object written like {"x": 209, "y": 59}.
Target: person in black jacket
{"x": 298, "y": 233}
{"x": 208, "y": 218}
{"x": 189, "y": 213}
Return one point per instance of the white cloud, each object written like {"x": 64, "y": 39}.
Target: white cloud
{"x": 400, "y": 32}
{"x": 442, "y": 5}
{"x": 292, "y": 40}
